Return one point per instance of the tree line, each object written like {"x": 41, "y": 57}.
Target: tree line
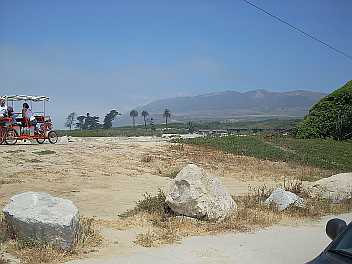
{"x": 88, "y": 122}
{"x": 145, "y": 114}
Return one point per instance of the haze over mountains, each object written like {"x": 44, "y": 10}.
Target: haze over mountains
{"x": 233, "y": 105}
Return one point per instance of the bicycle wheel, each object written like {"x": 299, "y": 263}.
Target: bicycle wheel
{"x": 52, "y": 136}
{"x": 40, "y": 140}
{"x": 42, "y": 135}
{"x": 2, "y": 135}
{"x": 11, "y": 137}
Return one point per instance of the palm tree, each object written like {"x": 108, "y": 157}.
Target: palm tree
{"x": 145, "y": 114}
{"x": 134, "y": 114}
{"x": 166, "y": 115}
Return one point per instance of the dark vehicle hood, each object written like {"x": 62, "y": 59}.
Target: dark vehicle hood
{"x": 330, "y": 258}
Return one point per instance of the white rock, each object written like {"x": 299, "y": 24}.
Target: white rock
{"x": 336, "y": 188}
{"x": 193, "y": 193}
{"x": 283, "y": 199}
{"x": 63, "y": 140}
{"x": 28, "y": 142}
{"x": 43, "y": 218}
{"x": 9, "y": 259}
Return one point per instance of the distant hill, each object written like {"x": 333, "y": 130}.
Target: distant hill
{"x": 233, "y": 105}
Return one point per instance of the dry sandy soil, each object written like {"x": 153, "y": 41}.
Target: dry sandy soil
{"x": 106, "y": 176}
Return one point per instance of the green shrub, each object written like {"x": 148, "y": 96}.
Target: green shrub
{"x": 331, "y": 117}
{"x": 150, "y": 204}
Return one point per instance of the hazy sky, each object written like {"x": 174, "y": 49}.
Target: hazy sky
{"x": 97, "y": 55}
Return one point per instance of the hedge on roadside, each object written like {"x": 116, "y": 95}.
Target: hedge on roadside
{"x": 331, "y": 117}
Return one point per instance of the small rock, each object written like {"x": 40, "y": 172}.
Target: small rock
{"x": 9, "y": 259}
{"x": 43, "y": 218}
{"x": 27, "y": 142}
{"x": 283, "y": 199}
{"x": 63, "y": 140}
{"x": 195, "y": 194}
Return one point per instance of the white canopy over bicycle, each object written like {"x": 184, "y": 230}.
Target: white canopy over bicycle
{"x": 29, "y": 98}
{"x": 14, "y": 126}
{"x": 24, "y": 98}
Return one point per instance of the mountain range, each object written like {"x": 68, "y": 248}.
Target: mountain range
{"x": 232, "y": 105}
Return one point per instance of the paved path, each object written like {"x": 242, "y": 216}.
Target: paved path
{"x": 278, "y": 244}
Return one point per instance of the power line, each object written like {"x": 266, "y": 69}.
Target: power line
{"x": 300, "y": 30}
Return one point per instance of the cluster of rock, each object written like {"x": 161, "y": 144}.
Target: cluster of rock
{"x": 193, "y": 193}
{"x": 40, "y": 217}
{"x": 336, "y": 188}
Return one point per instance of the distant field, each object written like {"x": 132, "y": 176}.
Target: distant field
{"x": 114, "y": 132}
{"x": 267, "y": 123}
{"x": 325, "y": 154}
{"x": 180, "y": 128}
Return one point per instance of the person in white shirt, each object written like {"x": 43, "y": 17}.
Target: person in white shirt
{"x": 3, "y": 108}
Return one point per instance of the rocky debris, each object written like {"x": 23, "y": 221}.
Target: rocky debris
{"x": 171, "y": 136}
{"x": 195, "y": 194}
{"x": 283, "y": 199}
{"x": 63, "y": 140}
{"x": 43, "y": 218}
{"x": 183, "y": 218}
{"x": 28, "y": 142}
{"x": 9, "y": 259}
{"x": 336, "y": 188}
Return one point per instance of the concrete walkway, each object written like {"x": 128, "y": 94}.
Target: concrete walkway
{"x": 278, "y": 244}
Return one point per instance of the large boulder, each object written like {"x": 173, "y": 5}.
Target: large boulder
{"x": 43, "y": 218}
{"x": 283, "y": 199}
{"x": 195, "y": 194}
{"x": 336, "y": 188}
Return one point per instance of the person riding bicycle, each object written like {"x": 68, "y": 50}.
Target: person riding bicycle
{"x": 3, "y": 108}
{"x": 28, "y": 116}
{"x": 10, "y": 112}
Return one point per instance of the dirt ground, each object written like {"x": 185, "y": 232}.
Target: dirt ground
{"x": 106, "y": 176}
